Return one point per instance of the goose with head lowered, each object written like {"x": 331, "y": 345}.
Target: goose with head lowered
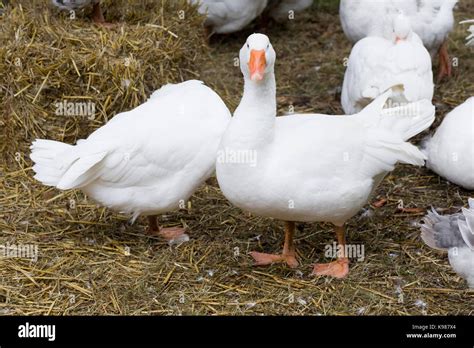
{"x": 432, "y": 20}
{"x": 308, "y": 167}
{"x": 378, "y": 63}
{"x": 146, "y": 161}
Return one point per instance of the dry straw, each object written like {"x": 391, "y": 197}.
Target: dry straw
{"x": 92, "y": 262}
{"x": 46, "y": 57}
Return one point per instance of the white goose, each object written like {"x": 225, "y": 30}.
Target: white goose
{"x": 228, "y": 16}
{"x": 73, "y": 5}
{"x": 432, "y": 20}
{"x": 450, "y": 150}
{"x": 146, "y": 161}
{"x": 377, "y": 63}
{"x": 454, "y": 234}
{"x": 308, "y": 167}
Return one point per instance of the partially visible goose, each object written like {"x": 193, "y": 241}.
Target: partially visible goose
{"x": 454, "y": 234}
{"x": 308, "y": 167}
{"x": 282, "y": 10}
{"x": 228, "y": 16}
{"x": 377, "y": 63}
{"x": 73, "y": 5}
{"x": 146, "y": 161}
{"x": 450, "y": 150}
{"x": 432, "y": 20}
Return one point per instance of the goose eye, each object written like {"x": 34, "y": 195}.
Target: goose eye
{"x": 268, "y": 46}
{"x": 248, "y": 46}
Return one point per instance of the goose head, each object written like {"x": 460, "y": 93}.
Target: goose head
{"x": 397, "y": 28}
{"x": 257, "y": 57}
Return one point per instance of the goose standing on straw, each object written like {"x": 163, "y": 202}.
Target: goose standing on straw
{"x": 309, "y": 167}
{"x": 146, "y": 161}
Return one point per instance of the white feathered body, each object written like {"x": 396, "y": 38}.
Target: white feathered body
{"x": 376, "y": 64}
{"x": 462, "y": 261}
{"x": 450, "y": 150}
{"x": 314, "y": 167}
{"x": 228, "y": 16}
{"x": 432, "y": 20}
{"x": 144, "y": 161}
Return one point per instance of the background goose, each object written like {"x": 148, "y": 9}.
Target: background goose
{"x": 73, "y": 5}
{"x": 377, "y": 63}
{"x": 450, "y": 150}
{"x": 309, "y": 167}
{"x": 432, "y": 20}
{"x": 146, "y": 161}
{"x": 454, "y": 234}
{"x": 228, "y": 16}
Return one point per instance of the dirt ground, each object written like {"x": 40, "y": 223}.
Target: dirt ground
{"x": 91, "y": 261}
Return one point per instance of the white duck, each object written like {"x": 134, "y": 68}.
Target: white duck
{"x": 455, "y": 234}
{"x": 450, "y": 150}
{"x": 283, "y": 10}
{"x": 308, "y": 167}
{"x": 146, "y": 161}
{"x": 73, "y": 5}
{"x": 432, "y": 20}
{"x": 377, "y": 63}
{"x": 228, "y": 16}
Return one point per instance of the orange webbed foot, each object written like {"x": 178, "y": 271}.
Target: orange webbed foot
{"x": 262, "y": 259}
{"x": 337, "y": 269}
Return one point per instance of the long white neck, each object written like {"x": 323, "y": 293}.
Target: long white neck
{"x": 254, "y": 118}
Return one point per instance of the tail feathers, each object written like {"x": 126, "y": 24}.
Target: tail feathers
{"x": 441, "y": 232}
{"x": 406, "y": 120}
{"x": 410, "y": 119}
{"x": 61, "y": 165}
{"x": 388, "y": 132}
{"x": 372, "y": 111}
{"x": 384, "y": 150}
{"x": 45, "y": 154}
{"x": 85, "y": 170}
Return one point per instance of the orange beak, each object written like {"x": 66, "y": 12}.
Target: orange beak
{"x": 257, "y": 64}
{"x": 398, "y": 39}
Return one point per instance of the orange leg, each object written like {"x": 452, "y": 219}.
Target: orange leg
{"x": 289, "y": 254}
{"x": 98, "y": 17}
{"x": 171, "y": 234}
{"x": 444, "y": 62}
{"x": 339, "y": 268}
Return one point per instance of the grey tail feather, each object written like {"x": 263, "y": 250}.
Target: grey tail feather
{"x": 428, "y": 232}
{"x": 441, "y": 232}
